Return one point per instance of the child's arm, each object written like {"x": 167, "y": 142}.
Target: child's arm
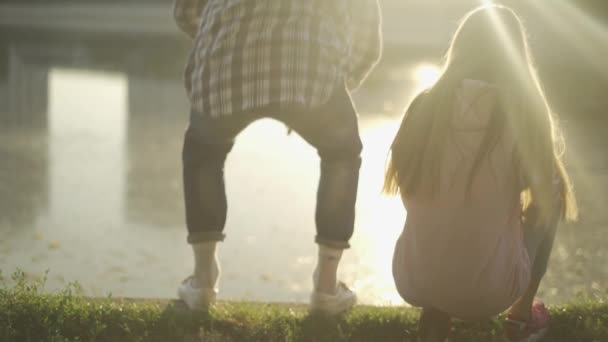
{"x": 187, "y": 15}
{"x": 366, "y": 40}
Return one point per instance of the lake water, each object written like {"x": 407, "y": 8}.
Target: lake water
{"x": 96, "y": 197}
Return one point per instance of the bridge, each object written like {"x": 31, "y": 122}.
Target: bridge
{"x": 116, "y": 36}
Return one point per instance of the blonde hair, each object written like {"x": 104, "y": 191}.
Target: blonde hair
{"x": 490, "y": 44}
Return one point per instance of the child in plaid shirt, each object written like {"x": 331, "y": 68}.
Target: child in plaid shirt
{"x": 293, "y": 61}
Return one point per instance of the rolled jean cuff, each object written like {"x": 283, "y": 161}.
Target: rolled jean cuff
{"x": 205, "y": 236}
{"x": 332, "y": 243}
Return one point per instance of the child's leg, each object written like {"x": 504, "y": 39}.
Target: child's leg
{"x": 539, "y": 243}
{"x": 207, "y": 142}
{"x": 333, "y": 130}
{"x": 433, "y": 326}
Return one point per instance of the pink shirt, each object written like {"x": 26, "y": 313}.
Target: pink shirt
{"x": 466, "y": 257}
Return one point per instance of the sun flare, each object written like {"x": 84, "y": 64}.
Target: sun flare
{"x": 426, "y": 75}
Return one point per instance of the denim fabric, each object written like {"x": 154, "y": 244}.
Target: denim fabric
{"x": 331, "y": 128}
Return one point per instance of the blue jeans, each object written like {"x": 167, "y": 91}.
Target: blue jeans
{"x": 331, "y": 128}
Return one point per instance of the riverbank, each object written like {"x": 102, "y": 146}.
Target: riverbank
{"x": 27, "y": 313}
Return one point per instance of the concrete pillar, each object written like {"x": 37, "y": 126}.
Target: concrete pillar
{"x": 3, "y": 81}
{"x": 24, "y": 90}
{"x": 24, "y": 152}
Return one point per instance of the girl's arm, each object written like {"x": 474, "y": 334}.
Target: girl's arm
{"x": 366, "y": 40}
{"x": 531, "y": 215}
{"x": 187, "y": 15}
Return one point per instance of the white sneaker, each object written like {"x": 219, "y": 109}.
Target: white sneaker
{"x": 196, "y": 298}
{"x": 343, "y": 300}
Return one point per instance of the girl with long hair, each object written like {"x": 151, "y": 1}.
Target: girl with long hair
{"x": 478, "y": 162}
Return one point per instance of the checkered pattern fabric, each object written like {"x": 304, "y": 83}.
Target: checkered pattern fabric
{"x": 251, "y": 53}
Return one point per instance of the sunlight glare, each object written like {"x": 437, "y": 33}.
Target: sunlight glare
{"x": 380, "y": 219}
{"x": 556, "y": 21}
{"x": 426, "y": 75}
{"x": 583, "y": 32}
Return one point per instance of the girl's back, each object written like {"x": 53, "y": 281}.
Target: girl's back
{"x": 462, "y": 250}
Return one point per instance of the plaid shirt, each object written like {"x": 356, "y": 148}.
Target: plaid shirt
{"x": 251, "y": 53}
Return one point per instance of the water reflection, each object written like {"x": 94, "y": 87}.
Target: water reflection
{"x": 114, "y": 173}
{"x": 155, "y": 129}
{"x": 380, "y": 218}
{"x": 87, "y": 128}
{"x": 24, "y": 183}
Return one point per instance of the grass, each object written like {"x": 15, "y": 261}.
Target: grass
{"x": 27, "y": 313}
